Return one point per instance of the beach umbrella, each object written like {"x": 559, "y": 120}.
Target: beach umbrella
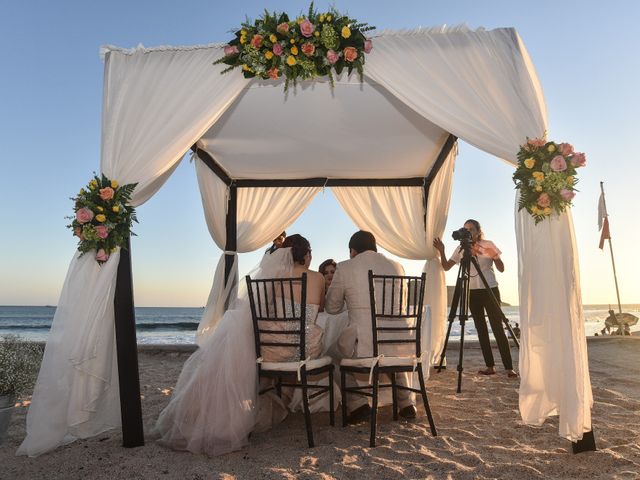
{"x": 621, "y": 319}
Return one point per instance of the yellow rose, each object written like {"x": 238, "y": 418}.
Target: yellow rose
{"x": 321, "y": 18}
{"x": 93, "y": 184}
{"x": 346, "y": 32}
{"x": 114, "y": 184}
{"x": 82, "y": 191}
{"x": 547, "y": 210}
{"x": 294, "y": 50}
{"x": 115, "y": 208}
{"x": 539, "y": 176}
{"x": 316, "y": 33}
{"x": 291, "y": 61}
{"x": 113, "y": 250}
{"x": 268, "y": 54}
{"x": 100, "y": 218}
{"x": 328, "y": 18}
{"x": 243, "y": 32}
{"x": 538, "y": 188}
{"x": 529, "y": 162}
{"x": 246, "y": 68}
{"x": 570, "y": 180}
{"x": 243, "y": 39}
{"x": 100, "y": 209}
{"x": 551, "y": 148}
{"x": 534, "y": 210}
{"x": 299, "y": 20}
{"x": 273, "y": 38}
{"x": 293, "y": 40}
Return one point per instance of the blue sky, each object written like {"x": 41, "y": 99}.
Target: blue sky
{"x": 585, "y": 53}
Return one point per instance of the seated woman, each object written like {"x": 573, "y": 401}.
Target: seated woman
{"x": 327, "y": 269}
{"x": 215, "y": 404}
{"x": 301, "y": 254}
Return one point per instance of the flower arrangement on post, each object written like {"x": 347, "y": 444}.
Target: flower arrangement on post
{"x": 546, "y": 176}
{"x": 103, "y": 217}
{"x": 310, "y": 46}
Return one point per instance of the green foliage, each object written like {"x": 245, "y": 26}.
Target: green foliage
{"x": 273, "y": 46}
{"x": 103, "y": 217}
{"x": 19, "y": 365}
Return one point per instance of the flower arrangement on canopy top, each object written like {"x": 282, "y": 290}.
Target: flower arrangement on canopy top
{"x": 310, "y": 46}
{"x": 546, "y": 176}
{"x": 103, "y": 217}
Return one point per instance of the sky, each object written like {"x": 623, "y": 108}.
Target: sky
{"x": 585, "y": 53}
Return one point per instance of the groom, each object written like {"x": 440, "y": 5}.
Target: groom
{"x": 351, "y": 284}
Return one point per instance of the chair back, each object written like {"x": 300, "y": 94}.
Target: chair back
{"x": 275, "y": 325}
{"x": 396, "y": 310}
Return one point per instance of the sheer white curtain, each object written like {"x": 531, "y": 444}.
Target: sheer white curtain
{"x": 151, "y": 115}
{"x": 262, "y": 213}
{"x": 553, "y": 351}
{"x": 395, "y": 216}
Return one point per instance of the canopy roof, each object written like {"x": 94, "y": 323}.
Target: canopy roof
{"x": 356, "y": 131}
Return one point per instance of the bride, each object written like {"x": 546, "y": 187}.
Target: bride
{"x": 215, "y": 405}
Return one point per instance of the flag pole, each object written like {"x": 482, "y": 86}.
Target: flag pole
{"x": 613, "y": 263}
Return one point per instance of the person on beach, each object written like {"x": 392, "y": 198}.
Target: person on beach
{"x": 327, "y": 269}
{"x": 480, "y": 301}
{"x": 350, "y": 285}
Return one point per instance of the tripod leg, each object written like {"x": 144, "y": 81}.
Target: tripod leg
{"x": 452, "y": 315}
{"x": 494, "y": 300}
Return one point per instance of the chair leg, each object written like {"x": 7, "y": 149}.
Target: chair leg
{"x": 423, "y": 391}
{"x": 394, "y": 395}
{"x": 307, "y": 413}
{"x": 332, "y": 413}
{"x": 374, "y": 407}
{"x": 343, "y": 386}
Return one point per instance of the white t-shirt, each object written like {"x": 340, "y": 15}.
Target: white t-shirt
{"x": 485, "y": 261}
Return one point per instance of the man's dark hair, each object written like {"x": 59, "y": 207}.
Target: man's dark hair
{"x": 362, "y": 241}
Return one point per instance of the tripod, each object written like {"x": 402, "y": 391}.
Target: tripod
{"x": 460, "y": 305}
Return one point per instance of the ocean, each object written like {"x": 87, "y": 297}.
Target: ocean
{"x": 177, "y": 325}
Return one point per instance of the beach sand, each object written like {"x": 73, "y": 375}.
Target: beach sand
{"x": 480, "y": 434}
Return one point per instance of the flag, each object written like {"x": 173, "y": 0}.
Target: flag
{"x": 605, "y": 233}
{"x": 602, "y": 211}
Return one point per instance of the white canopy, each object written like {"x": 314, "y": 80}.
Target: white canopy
{"x": 420, "y": 86}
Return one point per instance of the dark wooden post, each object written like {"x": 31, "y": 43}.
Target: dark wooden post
{"x": 231, "y": 244}
{"x": 127, "y": 348}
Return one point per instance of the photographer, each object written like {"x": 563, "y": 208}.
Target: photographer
{"x": 480, "y": 300}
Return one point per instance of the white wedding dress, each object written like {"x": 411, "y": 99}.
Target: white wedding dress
{"x": 215, "y": 403}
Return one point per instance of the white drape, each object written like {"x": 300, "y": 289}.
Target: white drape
{"x": 553, "y": 347}
{"x": 262, "y": 213}
{"x": 151, "y": 115}
{"x": 395, "y": 216}
{"x": 478, "y": 85}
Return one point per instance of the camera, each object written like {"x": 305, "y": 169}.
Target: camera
{"x": 461, "y": 235}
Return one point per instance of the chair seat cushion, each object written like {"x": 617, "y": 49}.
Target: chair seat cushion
{"x": 382, "y": 362}
{"x": 293, "y": 366}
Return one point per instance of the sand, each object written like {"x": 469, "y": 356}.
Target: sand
{"x": 480, "y": 434}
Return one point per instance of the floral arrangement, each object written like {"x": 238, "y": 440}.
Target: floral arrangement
{"x": 103, "y": 217}
{"x": 20, "y": 364}
{"x": 310, "y": 46}
{"x": 546, "y": 176}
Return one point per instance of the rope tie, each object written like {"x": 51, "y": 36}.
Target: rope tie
{"x": 301, "y": 363}
{"x": 374, "y": 362}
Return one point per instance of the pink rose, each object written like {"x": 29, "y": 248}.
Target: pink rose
{"x": 277, "y": 49}
{"x": 578, "y": 159}
{"x": 283, "y": 28}
{"x": 231, "y": 50}
{"x": 567, "y": 195}
{"x": 307, "y": 28}
{"x": 102, "y": 231}
{"x": 273, "y": 73}
{"x": 558, "y": 164}
{"x": 536, "y": 142}
{"x": 84, "y": 215}
{"x": 565, "y": 149}
{"x": 102, "y": 256}
{"x": 106, "y": 193}
{"x": 368, "y": 46}
{"x": 256, "y": 41}
{"x": 332, "y": 57}
{"x": 308, "y": 49}
{"x": 544, "y": 200}
{"x": 350, "y": 54}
